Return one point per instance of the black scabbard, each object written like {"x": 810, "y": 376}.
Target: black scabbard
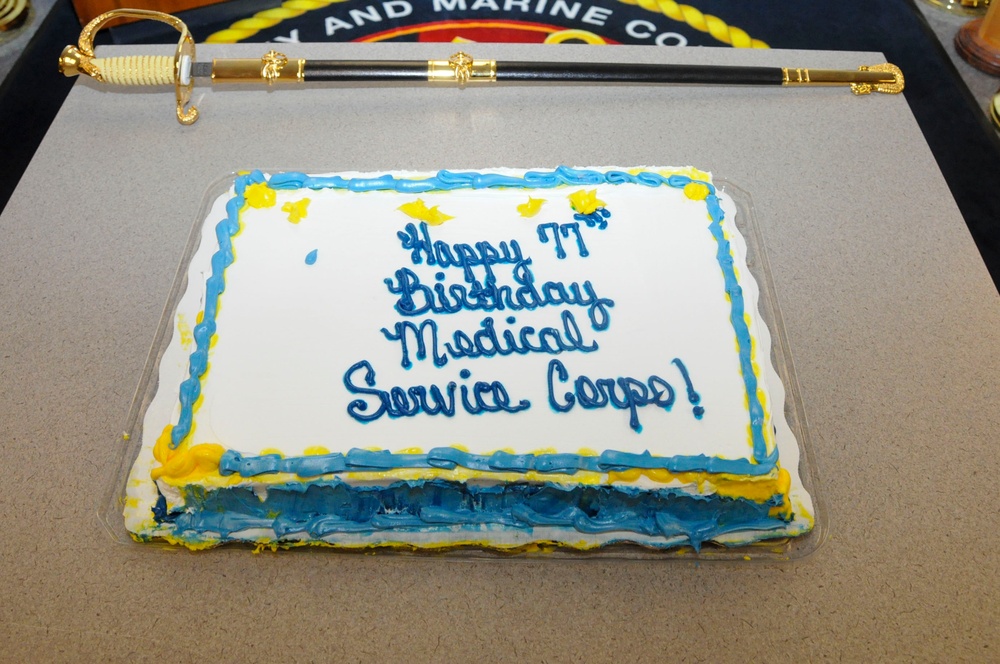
{"x": 358, "y": 71}
{"x": 588, "y": 72}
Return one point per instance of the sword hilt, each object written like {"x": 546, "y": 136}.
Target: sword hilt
{"x": 136, "y": 69}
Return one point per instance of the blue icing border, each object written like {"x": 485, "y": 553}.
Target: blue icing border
{"x": 357, "y": 460}
{"x": 331, "y": 508}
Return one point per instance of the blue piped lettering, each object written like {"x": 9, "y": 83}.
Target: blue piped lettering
{"x": 621, "y": 393}
{"x": 483, "y": 397}
{"x": 400, "y": 334}
{"x": 465, "y": 256}
{"x": 550, "y": 340}
{"x": 418, "y": 299}
{"x": 557, "y": 370}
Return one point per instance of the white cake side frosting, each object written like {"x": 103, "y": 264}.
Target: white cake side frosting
{"x": 607, "y": 339}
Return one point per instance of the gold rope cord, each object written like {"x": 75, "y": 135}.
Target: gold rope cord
{"x": 713, "y": 25}
{"x": 268, "y": 18}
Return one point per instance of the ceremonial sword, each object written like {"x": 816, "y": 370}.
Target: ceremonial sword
{"x": 460, "y": 69}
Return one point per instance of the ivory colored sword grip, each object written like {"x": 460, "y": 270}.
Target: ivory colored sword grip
{"x": 136, "y": 69}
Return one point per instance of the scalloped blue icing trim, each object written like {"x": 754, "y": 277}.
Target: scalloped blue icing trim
{"x": 761, "y": 463}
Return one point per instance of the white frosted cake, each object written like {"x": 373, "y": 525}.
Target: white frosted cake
{"x": 508, "y": 359}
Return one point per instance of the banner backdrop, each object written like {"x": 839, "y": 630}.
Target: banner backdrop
{"x": 807, "y": 24}
{"x": 661, "y": 23}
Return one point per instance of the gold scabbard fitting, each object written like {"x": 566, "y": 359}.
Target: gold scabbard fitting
{"x": 462, "y": 69}
{"x": 886, "y": 78}
{"x": 271, "y": 68}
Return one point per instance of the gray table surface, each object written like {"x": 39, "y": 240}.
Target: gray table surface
{"x": 892, "y": 321}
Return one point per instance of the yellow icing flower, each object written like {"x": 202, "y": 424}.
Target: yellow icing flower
{"x": 531, "y": 208}
{"x": 190, "y": 463}
{"x": 696, "y": 191}
{"x": 585, "y": 202}
{"x": 296, "y": 211}
{"x": 259, "y": 195}
{"x": 419, "y": 210}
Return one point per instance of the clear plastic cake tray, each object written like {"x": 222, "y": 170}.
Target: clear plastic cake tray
{"x": 755, "y": 234}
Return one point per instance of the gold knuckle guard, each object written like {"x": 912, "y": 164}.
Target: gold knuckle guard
{"x": 136, "y": 70}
